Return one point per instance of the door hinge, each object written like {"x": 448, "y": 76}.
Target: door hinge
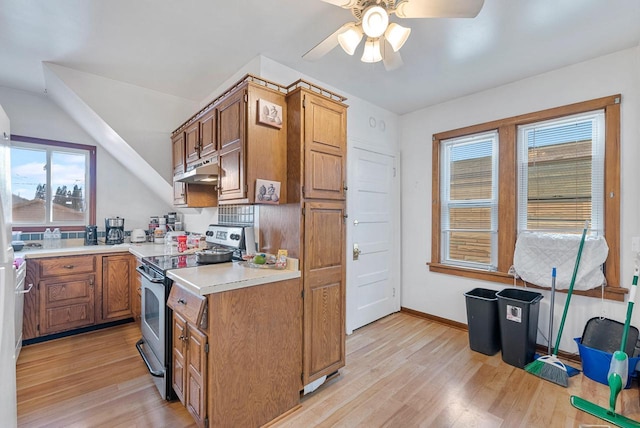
{"x": 206, "y": 345}
{"x": 394, "y": 292}
{"x": 206, "y": 422}
{"x": 246, "y": 188}
{"x": 303, "y": 195}
{"x": 302, "y": 294}
{"x": 303, "y": 213}
{"x": 246, "y": 97}
{"x": 302, "y": 377}
{"x": 394, "y": 171}
{"x": 304, "y": 102}
{"x": 344, "y": 218}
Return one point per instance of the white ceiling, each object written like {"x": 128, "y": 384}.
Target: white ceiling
{"x": 188, "y": 48}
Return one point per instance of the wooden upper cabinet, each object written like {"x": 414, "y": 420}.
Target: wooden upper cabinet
{"x": 231, "y": 135}
{"x": 208, "y": 133}
{"x": 192, "y": 143}
{"x": 201, "y": 138}
{"x": 250, "y": 149}
{"x": 177, "y": 142}
{"x": 317, "y": 139}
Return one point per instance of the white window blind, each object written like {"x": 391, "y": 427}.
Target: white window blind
{"x": 561, "y": 174}
{"x": 469, "y": 195}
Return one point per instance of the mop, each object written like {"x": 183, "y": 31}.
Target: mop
{"x": 549, "y": 367}
{"x": 618, "y": 372}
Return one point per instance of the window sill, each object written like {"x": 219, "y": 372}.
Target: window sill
{"x": 610, "y": 292}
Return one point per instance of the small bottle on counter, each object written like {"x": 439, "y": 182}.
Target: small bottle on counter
{"x": 182, "y": 243}
{"x": 56, "y": 238}
{"x": 47, "y": 239}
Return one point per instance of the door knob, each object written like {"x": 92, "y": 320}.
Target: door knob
{"x": 356, "y": 252}
{"x": 356, "y": 222}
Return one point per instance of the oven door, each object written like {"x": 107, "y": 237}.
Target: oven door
{"x": 153, "y": 324}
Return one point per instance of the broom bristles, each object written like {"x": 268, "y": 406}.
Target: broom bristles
{"x": 549, "y": 368}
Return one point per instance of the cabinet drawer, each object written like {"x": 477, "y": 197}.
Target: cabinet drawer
{"x": 190, "y": 306}
{"x": 67, "y": 265}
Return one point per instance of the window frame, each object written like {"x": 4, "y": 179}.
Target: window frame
{"x": 90, "y": 192}
{"x": 507, "y": 182}
{"x": 490, "y": 203}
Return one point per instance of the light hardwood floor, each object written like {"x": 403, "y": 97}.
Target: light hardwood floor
{"x": 402, "y": 371}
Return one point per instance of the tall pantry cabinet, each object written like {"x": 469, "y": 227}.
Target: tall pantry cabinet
{"x": 312, "y": 225}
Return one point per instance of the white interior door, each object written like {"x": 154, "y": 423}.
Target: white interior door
{"x": 373, "y": 256}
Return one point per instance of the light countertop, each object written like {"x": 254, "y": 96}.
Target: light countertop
{"x": 215, "y": 278}
{"x": 145, "y": 249}
{"x": 202, "y": 280}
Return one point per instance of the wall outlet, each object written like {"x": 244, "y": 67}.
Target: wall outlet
{"x": 635, "y": 244}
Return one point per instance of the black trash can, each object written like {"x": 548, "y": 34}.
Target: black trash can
{"x": 518, "y": 311}
{"x": 482, "y": 320}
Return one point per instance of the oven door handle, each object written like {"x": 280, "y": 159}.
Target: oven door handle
{"x": 155, "y": 373}
{"x": 142, "y": 272}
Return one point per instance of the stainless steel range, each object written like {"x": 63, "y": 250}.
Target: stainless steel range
{"x": 155, "y": 346}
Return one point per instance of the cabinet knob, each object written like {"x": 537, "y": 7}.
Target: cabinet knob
{"x": 182, "y": 301}
{"x": 68, "y": 266}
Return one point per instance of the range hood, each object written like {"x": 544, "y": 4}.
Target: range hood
{"x": 204, "y": 172}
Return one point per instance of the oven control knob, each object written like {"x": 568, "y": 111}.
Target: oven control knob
{"x": 234, "y": 236}
{"x": 209, "y": 233}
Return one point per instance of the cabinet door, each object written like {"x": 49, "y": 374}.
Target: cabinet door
{"x": 196, "y": 374}
{"x": 208, "y": 133}
{"x": 179, "y": 356}
{"x": 325, "y": 148}
{"x": 116, "y": 287}
{"x": 192, "y": 143}
{"x": 177, "y": 143}
{"x": 66, "y": 302}
{"x": 231, "y": 137}
{"x": 179, "y": 193}
{"x": 324, "y": 289}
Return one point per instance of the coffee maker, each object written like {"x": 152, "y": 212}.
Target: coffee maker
{"x": 114, "y": 230}
{"x": 91, "y": 235}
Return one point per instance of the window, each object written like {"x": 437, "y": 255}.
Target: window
{"x": 469, "y": 198}
{"x": 52, "y": 183}
{"x": 561, "y": 174}
{"x": 550, "y": 171}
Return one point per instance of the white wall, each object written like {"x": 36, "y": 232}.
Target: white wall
{"x": 118, "y": 192}
{"x": 442, "y": 295}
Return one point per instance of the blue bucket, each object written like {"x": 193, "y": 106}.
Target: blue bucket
{"x": 595, "y": 364}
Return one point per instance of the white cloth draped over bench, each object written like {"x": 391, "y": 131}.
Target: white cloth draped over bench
{"x": 537, "y": 253}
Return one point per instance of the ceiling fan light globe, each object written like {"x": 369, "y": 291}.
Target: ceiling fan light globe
{"x": 396, "y": 35}
{"x": 350, "y": 39}
{"x": 371, "y": 51}
{"x": 375, "y": 21}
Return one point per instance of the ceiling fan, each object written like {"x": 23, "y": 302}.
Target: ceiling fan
{"x": 383, "y": 38}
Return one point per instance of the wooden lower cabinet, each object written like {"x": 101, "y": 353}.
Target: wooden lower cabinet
{"x": 72, "y": 292}
{"x": 324, "y": 289}
{"x": 239, "y": 362}
{"x": 190, "y": 367}
{"x": 66, "y": 302}
{"x": 116, "y": 287}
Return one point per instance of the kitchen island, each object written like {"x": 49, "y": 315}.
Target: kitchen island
{"x": 237, "y": 342}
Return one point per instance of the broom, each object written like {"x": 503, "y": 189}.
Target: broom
{"x": 549, "y": 367}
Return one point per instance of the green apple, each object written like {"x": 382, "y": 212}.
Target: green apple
{"x": 259, "y": 259}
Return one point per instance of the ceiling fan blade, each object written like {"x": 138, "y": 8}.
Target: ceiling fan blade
{"x": 439, "y": 8}
{"x": 325, "y": 46}
{"x": 347, "y": 4}
{"x": 391, "y": 59}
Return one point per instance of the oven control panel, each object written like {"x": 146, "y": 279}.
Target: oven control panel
{"x": 226, "y": 236}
